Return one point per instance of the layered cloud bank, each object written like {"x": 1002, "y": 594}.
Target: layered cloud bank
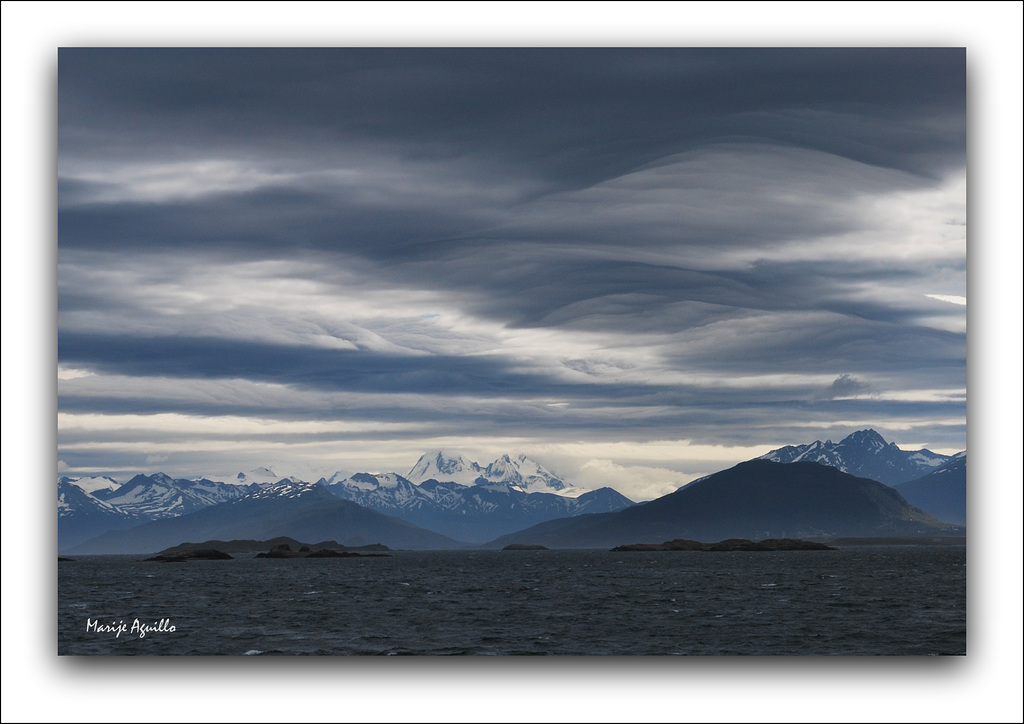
{"x": 644, "y": 264}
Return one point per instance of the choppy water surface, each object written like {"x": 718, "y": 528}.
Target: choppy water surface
{"x": 893, "y": 600}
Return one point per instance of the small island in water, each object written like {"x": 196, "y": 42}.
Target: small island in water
{"x": 194, "y": 554}
{"x": 283, "y": 550}
{"x": 731, "y": 544}
{"x": 282, "y": 547}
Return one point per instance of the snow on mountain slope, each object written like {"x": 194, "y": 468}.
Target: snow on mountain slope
{"x": 518, "y": 472}
{"x": 866, "y": 454}
{"x": 259, "y": 476}
{"x": 337, "y": 477}
{"x": 72, "y": 499}
{"x": 929, "y": 460}
{"x": 529, "y": 476}
{"x": 444, "y": 466}
{"x": 92, "y": 484}
{"x": 283, "y": 489}
{"x": 383, "y": 492}
{"x": 160, "y": 496}
{"x": 474, "y": 513}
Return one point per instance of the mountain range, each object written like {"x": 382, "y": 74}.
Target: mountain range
{"x": 156, "y": 496}
{"x": 474, "y": 513}
{"x": 933, "y": 482}
{"x": 89, "y": 506}
{"x": 471, "y": 504}
{"x": 296, "y": 510}
{"x": 757, "y": 499}
{"x": 866, "y": 454}
{"x": 446, "y": 501}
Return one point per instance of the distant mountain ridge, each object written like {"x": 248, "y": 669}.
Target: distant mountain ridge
{"x": 93, "y": 484}
{"x": 475, "y": 505}
{"x": 81, "y": 516}
{"x": 258, "y": 476}
{"x": 160, "y": 496}
{"x": 479, "y": 504}
{"x": 865, "y": 454}
{"x": 295, "y": 510}
{"x": 935, "y": 483}
{"x": 87, "y": 507}
{"x": 942, "y": 493}
{"x": 474, "y": 513}
{"x": 757, "y": 499}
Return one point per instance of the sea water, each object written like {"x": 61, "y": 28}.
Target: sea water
{"x": 857, "y": 601}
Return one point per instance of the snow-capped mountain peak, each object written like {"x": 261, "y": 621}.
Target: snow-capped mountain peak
{"x": 529, "y": 476}
{"x": 162, "y": 479}
{"x": 92, "y": 484}
{"x": 867, "y": 439}
{"x": 260, "y": 476}
{"x": 505, "y": 469}
{"x": 337, "y": 477}
{"x": 866, "y": 454}
{"x": 446, "y": 467}
{"x": 515, "y": 471}
{"x": 72, "y": 499}
{"x": 379, "y": 480}
{"x": 379, "y": 491}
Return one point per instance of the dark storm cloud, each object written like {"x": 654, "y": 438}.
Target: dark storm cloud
{"x": 301, "y": 366}
{"x": 825, "y": 346}
{"x": 552, "y": 124}
{"x": 575, "y": 116}
{"x": 637, "y": 243}
{"x": 573, "y": 276}
{"x": 192, "y": 358}
{"x": 327, "y": 369}
{"x": 270, "y": 223}
{"x": 438, "y": 375}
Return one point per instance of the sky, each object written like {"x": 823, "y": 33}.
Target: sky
{"x": 635, "y": 265}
